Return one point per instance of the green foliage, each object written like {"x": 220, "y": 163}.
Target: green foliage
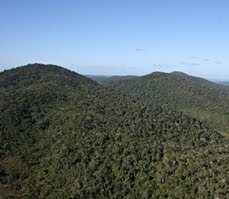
{"x": 194, "y": 96}
{"x": 65, "y": 136}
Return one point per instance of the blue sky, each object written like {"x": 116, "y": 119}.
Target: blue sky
{"x": 117, "y": 36}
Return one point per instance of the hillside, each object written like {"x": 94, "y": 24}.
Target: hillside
{"x": 65, "y": 136}
{"x": 195, "y": 96}
{"x": 98, "y": 78}
{"x": 109, "y": 79}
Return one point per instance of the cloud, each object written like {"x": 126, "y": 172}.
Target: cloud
{"x": 198, "y": 58}
{"x": 199, "y": 61}
{"x": 218, "y": 62}
{"x": 162, "y": 66}
{"x": 139, "y": 49}
{"x": 189, "y": 63}
{"x": 193, "y": 57}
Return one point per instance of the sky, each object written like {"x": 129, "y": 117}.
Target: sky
{"x": 117, "y": 37}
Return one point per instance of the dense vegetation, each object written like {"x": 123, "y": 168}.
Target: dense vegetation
{"x": 195, "y": 96}
{"x": 65, "y": 136}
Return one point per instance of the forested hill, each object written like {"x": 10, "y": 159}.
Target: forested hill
{"x": 108, "y": 79}
{"x": 40, "y": 73}
{"x": 65, "y": 136}
{"x": 98, "y": 78}
{"x": 195, "y": 96}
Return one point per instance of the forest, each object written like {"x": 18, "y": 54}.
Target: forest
{"x": 194, "y": 96}
{"x": 63, "y": 135}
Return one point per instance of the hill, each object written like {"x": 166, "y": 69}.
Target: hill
{"x": 195, "y": 96}
{"x": 65, "y": 136}
{"x": 98, "y": 78}
{"x": 109, "y": 79}
{"x": 221, "y": 82}
{"x": 224, "y": 83}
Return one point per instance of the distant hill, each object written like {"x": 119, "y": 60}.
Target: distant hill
{"x": 107, "y": 79}
{"x": 65, "y": 136}
{"x": 195, "y": 96}
{"x": 221, "y": 82}
{"x": 98, "y": 78}
{"x": 224, "y": 83}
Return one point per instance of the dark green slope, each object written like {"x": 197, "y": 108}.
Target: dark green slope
{"x": 195, "y": 96}
{"x": 64, "y": 136}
